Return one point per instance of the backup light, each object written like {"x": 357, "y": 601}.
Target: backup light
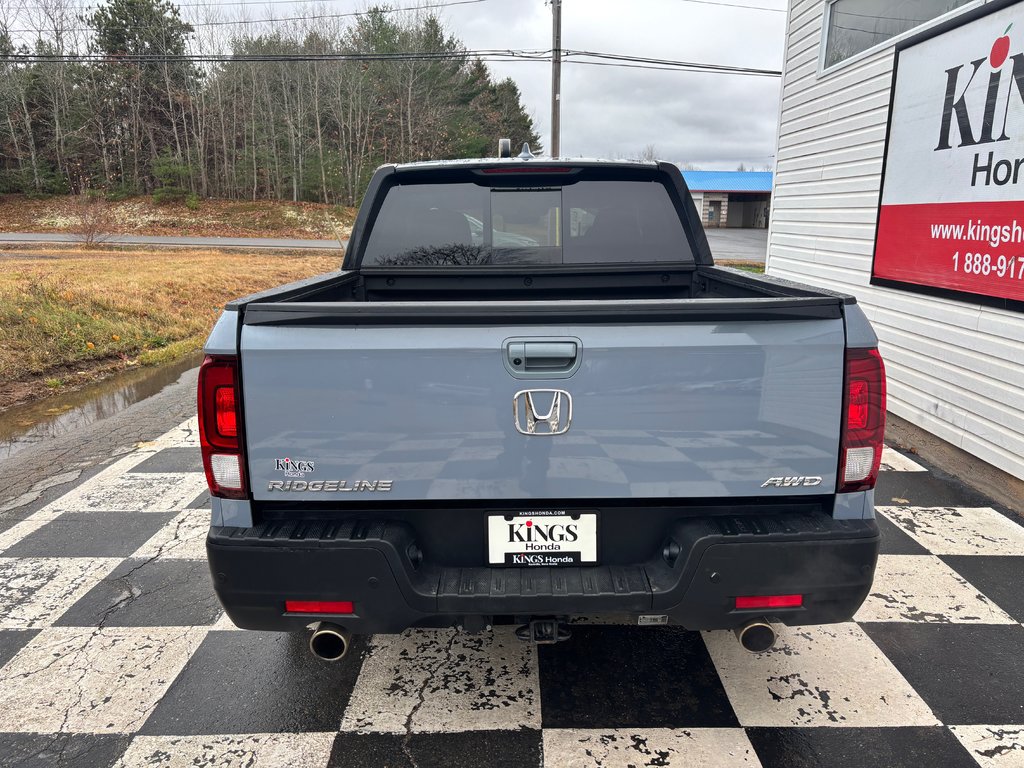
{"x": 319, "y": 606}
{"x": 227, "y": 470}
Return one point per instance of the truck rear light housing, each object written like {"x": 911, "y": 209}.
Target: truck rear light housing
{"x": 769, "y": 601}
{"x": 319, "y": 606}
{"x": 863, "y": 420}
{"x": 526, "y": 168}
{"x": 219, "y": 427}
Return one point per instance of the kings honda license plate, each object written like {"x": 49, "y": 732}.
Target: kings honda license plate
{"x": 545, "y": 537}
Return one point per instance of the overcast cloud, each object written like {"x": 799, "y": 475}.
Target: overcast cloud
{"x": 710, "y": 120}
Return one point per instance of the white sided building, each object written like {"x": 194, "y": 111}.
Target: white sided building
{"x": 900, "y": 179}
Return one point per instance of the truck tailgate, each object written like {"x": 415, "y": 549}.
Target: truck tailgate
{"x": 362, "y": 412}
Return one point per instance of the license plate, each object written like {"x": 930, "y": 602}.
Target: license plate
{"x": 542, "y": 538}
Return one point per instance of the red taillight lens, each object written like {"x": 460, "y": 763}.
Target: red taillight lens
{"x": 319, "y": 606}
{"x": 224, "y": 405}
{"x": 857, "y": 411}
{"x": 769, "y": 601}
{"x": 219, "y": 436}
{"x": 863, "y": 420}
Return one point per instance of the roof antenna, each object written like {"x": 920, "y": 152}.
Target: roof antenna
{"x": 526, "y": 154}
{"x": 504, "y": 147}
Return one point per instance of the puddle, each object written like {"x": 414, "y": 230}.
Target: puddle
{"x": 25, "y": 425}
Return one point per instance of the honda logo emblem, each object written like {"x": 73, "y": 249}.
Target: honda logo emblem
{"x": 542, "y": 412}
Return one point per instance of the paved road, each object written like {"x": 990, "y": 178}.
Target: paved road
{"x": 114, "y": 651}
{"x": 726, "y": 244}
{"x": 276, "y": 243}
{"x": 738, "y": 244}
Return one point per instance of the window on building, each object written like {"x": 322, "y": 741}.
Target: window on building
{"x": 856, "y": 25}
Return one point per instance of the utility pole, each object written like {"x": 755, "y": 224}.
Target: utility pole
{"x": 556, "y": 75}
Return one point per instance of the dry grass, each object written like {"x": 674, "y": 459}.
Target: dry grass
{"x": 210, "y": 218}
{"x": 747, "y": 266}
{"x": 78, "y": 306}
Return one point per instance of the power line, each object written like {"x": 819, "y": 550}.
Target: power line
{"x": 304, "y": 17}
{"x": 695, "y": 68}
{"x": 488, "y": 55}
{"x": 704, "y": 70}
{"x": 736, "y": 5}
{"x": 674, "y": 62}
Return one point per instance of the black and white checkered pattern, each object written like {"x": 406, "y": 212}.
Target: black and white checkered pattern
{"x": 615, "y": 464}
{"x": 114, "y": 651}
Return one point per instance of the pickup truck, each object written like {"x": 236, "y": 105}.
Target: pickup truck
{"x": 529, "y": 395}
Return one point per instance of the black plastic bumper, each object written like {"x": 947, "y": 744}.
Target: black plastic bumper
{"x": 704, "y": 565}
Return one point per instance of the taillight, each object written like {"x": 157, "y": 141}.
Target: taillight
{"x": 219, "y": 433}
{"x": 863, "y": 420}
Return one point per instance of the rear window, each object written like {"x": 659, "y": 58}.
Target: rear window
{"x": 465, "y": 224}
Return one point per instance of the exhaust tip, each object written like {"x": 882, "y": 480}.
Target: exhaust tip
{"x": 329, "y": 643}
{"x": 757, "y": 636}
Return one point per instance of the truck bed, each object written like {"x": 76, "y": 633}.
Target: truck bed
{"x": 390, "y": 296}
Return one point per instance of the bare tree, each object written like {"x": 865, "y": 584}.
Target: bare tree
{"x": 649, "y": 153}
{"x": 95, "y": 220}
{"x": 147, "y": 119}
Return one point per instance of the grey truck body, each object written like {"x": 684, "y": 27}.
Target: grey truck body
{"x": 394, "y": 385}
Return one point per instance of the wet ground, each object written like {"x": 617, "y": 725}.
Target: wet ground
{"x": 114, "y": 651}
{"x": 33, "y": 423}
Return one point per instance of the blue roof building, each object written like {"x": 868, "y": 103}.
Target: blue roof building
{"x": 729, "y": 181}
{"x": 731, "y": 198}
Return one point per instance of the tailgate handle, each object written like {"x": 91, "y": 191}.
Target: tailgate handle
{"x": 542, "y": 358}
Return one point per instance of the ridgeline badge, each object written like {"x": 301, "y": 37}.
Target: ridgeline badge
{"x": 294, "y": 468}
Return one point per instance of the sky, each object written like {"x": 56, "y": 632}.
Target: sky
{"x": 713, "y": 121}
{"x": 707, "y": 120}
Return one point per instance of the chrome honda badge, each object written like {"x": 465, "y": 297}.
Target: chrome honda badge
{"x": 542, "y": 412}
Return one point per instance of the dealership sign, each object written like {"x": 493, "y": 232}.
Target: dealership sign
{"x": 952, "y": 206}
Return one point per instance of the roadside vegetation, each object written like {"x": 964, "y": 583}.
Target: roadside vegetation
{"x": 188, "y": 102}
{"x": 747, "y": 266}
{"x": 93, "y": 217}
{"x": 67, "y": 316}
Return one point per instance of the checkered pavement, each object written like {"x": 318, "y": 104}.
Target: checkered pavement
{"x": 115, "y": 652}
{"x": 613, "y": 463}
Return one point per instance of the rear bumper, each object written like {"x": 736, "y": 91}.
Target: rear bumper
{"x": 704, "y": 564}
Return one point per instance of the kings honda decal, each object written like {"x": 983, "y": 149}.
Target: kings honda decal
{"x": 952, "y": 213}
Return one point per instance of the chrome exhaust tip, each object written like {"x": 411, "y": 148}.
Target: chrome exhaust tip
{"x": 756, "y": 636}
{"x": 330, "y": 642}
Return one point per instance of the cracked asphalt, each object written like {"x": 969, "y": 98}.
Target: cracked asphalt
{"x": 46, "y": 469}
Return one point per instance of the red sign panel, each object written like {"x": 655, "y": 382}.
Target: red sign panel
{"x": 968, "y": 247}
{"x": 952, "y": 209}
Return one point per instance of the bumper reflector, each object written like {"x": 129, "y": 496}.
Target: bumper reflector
{"x": 769, "y": 601}
{"x": 319, "y": 606}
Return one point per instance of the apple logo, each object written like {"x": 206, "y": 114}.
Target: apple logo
{"x": 1000, "y": 50}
